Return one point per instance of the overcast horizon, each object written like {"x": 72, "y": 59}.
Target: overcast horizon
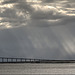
{"x": 37, "y": 29}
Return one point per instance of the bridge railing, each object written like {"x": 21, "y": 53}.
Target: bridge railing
{"x": 19, "y": 60}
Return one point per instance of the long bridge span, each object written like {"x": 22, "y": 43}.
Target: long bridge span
{"x": 26, "y": 66}
{"x": 29, "y": 60}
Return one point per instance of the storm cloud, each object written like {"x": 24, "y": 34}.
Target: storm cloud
{"x": 37, "y": 28}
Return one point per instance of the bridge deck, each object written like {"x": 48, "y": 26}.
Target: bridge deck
{"x": 27, "y": 60}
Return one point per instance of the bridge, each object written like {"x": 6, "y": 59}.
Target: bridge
{"x": 26, "y": 66}
{"x": 28, "y": 60}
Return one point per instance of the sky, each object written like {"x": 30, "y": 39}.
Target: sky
{"x": 41, "y": 29}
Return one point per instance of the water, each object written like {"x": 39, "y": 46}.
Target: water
{"x": 37, "y": 69}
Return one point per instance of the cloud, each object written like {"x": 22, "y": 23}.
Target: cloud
{"x": 46, "y": 13}
{"x": 48, "y": 1}
{"x": 14, "y": 16}
{"x": 19, "y": 13}
{"x": 10, "y": 1}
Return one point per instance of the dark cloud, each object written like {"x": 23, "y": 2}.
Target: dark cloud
{"x": 49, "y": 15}
{"x": 72, "y": 1}
{"x": 68, "y": 20}
{"x": 48, "y": 1}
{"x": 10, "y": 1}
{"x": 9, "y": 13}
